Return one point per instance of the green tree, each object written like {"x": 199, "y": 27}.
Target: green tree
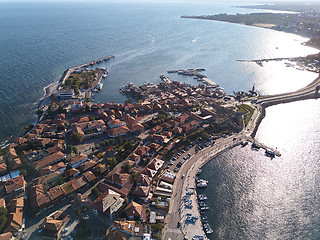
{"x": 23, "y": 172}
{"x": 53, "y": 97}
{"x": 126, "y": 168}
{"x": 76, "y": 137}
{"x": 95, "y": 192}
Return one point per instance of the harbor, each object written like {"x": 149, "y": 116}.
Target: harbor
{"x": 196, "y": 73}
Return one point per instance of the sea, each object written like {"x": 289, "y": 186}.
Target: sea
{"x": 251, "y": 196}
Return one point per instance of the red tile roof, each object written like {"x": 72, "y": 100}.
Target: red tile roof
{"x": 14, "y": 184}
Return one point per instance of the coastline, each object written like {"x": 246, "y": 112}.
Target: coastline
{"x": 257, "y": 25}
{"x": 190, "y": 168}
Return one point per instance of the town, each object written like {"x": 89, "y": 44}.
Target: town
{"x": 85, "y": 166}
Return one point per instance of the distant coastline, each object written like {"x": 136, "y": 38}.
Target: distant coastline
{"x": 302, "y": 23}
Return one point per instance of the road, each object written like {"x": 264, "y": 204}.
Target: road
{"x": 189, "y": 169}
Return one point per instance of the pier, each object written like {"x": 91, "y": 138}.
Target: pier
{"x": 196, "y": 73}
{"x": 165, "y": 79}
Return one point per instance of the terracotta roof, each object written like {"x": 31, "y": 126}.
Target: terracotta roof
{"x": 71, "y": 172}
{"x": 2, "y": 159}
{"x": 114, "y": 132}
{"x": 3, "y": 167}
{"x": 87, "y": 165}
{"x": 119, "y": 178}
{"x": 141, "y": 191}
{"x": 37, "y": 196}
{"x": 52, "y": 224}
{"x": 144, "y": 180}
{"x": 78, "y": 158}
{"x": 2, "y": 202}
{"x": 105, "y": 200}
{"x": 155, "y": 164}
{"x": 6, "y": 236}
{"x": 133, "y": 227}
{"x": 48, "y": 160}
{"x": 89, "y": 176}
{"x": 142, "y": 150}
{"x": 55, "y": 192}
{"x": 134, "y": 209}
{"x": 14, "y": 184}
{"x": 15, "y": 215}
{"x": 100, "y": 168}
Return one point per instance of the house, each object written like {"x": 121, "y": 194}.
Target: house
{"x": 116, "y": 123}
{"x": 38, "y": 198}
{"x": 3, "y": 168}
{"x": 118, "y": 179}
{"x": 131, "y": 228}
{"x": 12, "y": 154}
{"x": 136, "y": 211}
{"x": 108, "y": 203}
{"x": 87, "y": 165}
{"x": 141, "y": 191}
{"x": 77, "y": 160}
{"x": 118, "y": 131}
{"x": 73, "y": 172}
{"x": 156, "y": 164}
{"x": 46, "y": 161}
{"x": 15, "y": 185}
{"x": 15, "y": 217}
{"x": 54, "y": 224}
{"x": 2, "y": 203}
{"x": 136, "y": 128}
{"x": 143, "y": 150}
{"x": 182, "y": 119}
{"x": 55, "y": 193}
{"x": 15, "y": 163}
{"x": 149, "y": 172}
{"x": 144, "y": 180}
{"x": 89, "y": 176}
{"x": 6, "y": 236}
{"x": 100, "y": 169}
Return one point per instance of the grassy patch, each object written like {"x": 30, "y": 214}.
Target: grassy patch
{"x": 247, "y": 111}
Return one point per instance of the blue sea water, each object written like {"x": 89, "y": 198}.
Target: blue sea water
{"x": 251, "y": 196}
{"x": 38, "y": 41}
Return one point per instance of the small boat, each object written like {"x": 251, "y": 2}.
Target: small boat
{"x": 270, "y": 153}
{"x": 204, "y": 208}
{"x": 199, "y": 172}
{"x": 202, "y": 197}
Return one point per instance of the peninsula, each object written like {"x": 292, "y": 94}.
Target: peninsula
{"x": 133, "y": 162}
{"x": 301, "y": 19}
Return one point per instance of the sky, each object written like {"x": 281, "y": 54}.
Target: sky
{"x": 234, "y": 1}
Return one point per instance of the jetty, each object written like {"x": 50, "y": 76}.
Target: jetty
{"x": 197, "y": 75}
{"x": 165, "y": 79}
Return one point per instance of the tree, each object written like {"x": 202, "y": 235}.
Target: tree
{"x": 23, "y": 172}
{"x": 134, "y": 176}
{"x": 76, "y": 137}
{"x": 53, "y": 97}
{"x": 3, "y": 217}
{"x": 126, "y": 168}
{"x": 95, "y": 192}
{"x": 39, "y": 112}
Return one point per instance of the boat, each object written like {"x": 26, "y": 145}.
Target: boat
{"x": 243, "y": 144}
{"x": 203, "y": 204}
{"x": 270, "y": 153}
{"x": 199, "y": 172}
{"x": 202, "y": 185}
{"x": 202, "y": 197}
{"x": 99, "y": 86}
{"x": 255, "y": 145}
{"x": 204, "y": 208}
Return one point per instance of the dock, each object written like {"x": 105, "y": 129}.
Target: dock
{"x": 165, "y": 79}
{"x": 209, "y": 82}
{"x": 258, "y": 145}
